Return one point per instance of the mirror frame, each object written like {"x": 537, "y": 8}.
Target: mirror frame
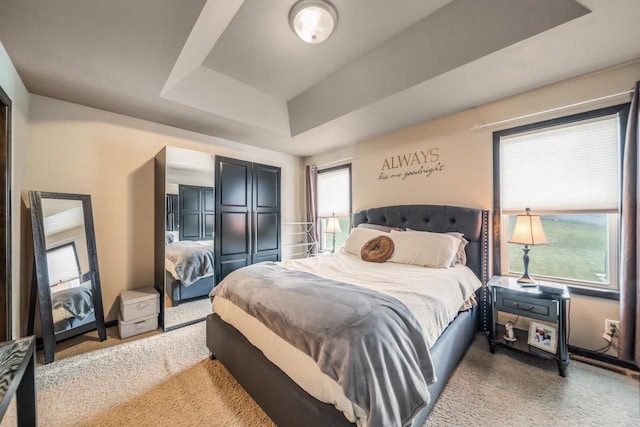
{"x": 41, "y": 276}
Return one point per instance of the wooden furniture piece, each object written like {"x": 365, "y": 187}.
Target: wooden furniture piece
{"x": 248, "y": 215}
{"x": 509, "y": 297}
{"x": 17, "y": 377}
{"x": 289, "y": 405}
{"x": 57, "y": 219}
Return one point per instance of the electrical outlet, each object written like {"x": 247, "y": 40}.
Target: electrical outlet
{"x": 612, "y": 327}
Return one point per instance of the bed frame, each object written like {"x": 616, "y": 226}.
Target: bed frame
{"x": 289, "y": 405}
{"x": 178, "y": 293}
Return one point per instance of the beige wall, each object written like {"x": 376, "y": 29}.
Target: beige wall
{"x": 77, "y": 149}
{"x": 465, "y": 157}
{"x": 13, "y": 86}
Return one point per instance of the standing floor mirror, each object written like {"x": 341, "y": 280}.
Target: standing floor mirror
{"x": 66, "y": 278}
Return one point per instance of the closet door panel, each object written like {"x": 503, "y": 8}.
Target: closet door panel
{"x": 190, "y": 227}
{"x": 235, "y": 186}
{"x": 266, "y": 207}
{"x": 267, "y": 180}
{"x": 233, "y": 221}
{"x": 267, "y": 229}
{"x": 234, "y": 229}
{"x": 208, "y": 213}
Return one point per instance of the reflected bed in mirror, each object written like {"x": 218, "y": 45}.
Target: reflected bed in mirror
{"x": 184, "y": 234}
{"x": 66, "y": 277}
{"x": 71, "y": 293}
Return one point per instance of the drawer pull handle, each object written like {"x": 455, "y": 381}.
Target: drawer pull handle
{"x": 516, "y": 305}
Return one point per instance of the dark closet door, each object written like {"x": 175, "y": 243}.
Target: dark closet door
{"x": 208, "y": 213}
{"x": 196, "y": 212}
{"x": 266, "y": 213}
{"x": 190, "y": 222}
{"x": 232, "y": 244}
{"x": 172, "y": 210}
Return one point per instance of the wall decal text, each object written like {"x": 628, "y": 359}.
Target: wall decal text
{"x": 423, "y": 162}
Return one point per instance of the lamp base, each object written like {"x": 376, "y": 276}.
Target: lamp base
{"x": 526, "y": 281}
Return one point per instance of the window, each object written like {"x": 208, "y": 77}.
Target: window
{"x": 334, "y": 201}
{"x": 63, "y": 266}
{"x": 567, "y": 171}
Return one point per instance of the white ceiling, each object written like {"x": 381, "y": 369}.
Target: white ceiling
{"x": 235, "y": 70}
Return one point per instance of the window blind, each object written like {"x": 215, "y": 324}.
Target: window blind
{"x": 569, "y": 169}
{"x": 334, "y": 193}
{"x": 62, "y": 264}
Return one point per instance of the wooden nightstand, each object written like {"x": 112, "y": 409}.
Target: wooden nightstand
{"x": 509, "y": 297}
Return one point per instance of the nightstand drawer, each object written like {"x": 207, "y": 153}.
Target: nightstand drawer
{"x": 534, "y": 308}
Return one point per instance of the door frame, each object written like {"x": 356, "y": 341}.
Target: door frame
{"x": 6, "y": 334}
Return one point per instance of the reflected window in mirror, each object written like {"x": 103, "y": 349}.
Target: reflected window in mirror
{"x": 63, "y": 267}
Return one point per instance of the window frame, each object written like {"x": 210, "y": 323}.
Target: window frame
{"x": 622, "y": 111}
{"x": 320, "y": 220}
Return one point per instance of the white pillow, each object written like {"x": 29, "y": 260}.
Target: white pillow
{"x": 358, "y": 237}
{"x": 435, "y": 250}
{"x": 461, "y": 255}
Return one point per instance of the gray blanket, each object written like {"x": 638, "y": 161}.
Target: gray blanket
{"x": 78, "y": 301}
{"x": 367, "y": 341}
{"x": 192, "y": 261}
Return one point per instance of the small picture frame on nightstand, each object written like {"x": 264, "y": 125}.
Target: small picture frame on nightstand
{"x": 543, "y": 336}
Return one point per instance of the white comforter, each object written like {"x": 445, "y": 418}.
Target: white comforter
{"x": 434, "y": 296}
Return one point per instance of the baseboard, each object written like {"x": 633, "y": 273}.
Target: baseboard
{"x": 590, "y": 354}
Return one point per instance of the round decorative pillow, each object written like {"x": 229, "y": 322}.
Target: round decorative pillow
{"x": 378, "y": 249}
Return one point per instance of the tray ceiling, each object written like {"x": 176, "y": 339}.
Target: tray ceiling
{"x": 235, "y": 70}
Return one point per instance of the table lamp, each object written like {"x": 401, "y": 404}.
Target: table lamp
{"x": 333, "y": 227}
{"x": 528, "y": 231}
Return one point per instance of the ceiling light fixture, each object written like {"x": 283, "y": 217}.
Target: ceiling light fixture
{"x": 313, "y": 20}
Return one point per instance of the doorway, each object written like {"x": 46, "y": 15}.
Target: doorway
{"x": 5, "y": 217}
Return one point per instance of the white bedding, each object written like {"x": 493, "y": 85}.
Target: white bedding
{"x": 434, "y": 296}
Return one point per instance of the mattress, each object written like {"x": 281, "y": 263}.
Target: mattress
{"x": 434, "y": 296}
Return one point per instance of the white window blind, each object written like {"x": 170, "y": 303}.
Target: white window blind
{"x": 62, "y": 264}
{"x": 568, "y": 169}
{"x": 334, "y": 193}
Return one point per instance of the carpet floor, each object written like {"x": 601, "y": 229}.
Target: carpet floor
{"x": 167, "y": 379}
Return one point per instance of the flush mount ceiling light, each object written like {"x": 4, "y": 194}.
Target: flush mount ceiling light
{"x": 313, "y": 20}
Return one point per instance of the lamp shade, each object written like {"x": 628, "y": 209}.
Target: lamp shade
{"x": 528, "y": 230}
{"x": 313, "y": 20}
{"x": 333, "y": 226}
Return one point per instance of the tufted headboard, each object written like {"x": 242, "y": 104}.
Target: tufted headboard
{"x": 473, "y": 223}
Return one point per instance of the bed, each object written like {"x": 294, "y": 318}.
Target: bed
{"x": 72, "y": 307}
{"x": 286, "y": 402}
{"x": 189, "y": 269}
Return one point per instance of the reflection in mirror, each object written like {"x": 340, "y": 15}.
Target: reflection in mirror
{"x": 188, "y": 237}
{"x": 66, "y": 267}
